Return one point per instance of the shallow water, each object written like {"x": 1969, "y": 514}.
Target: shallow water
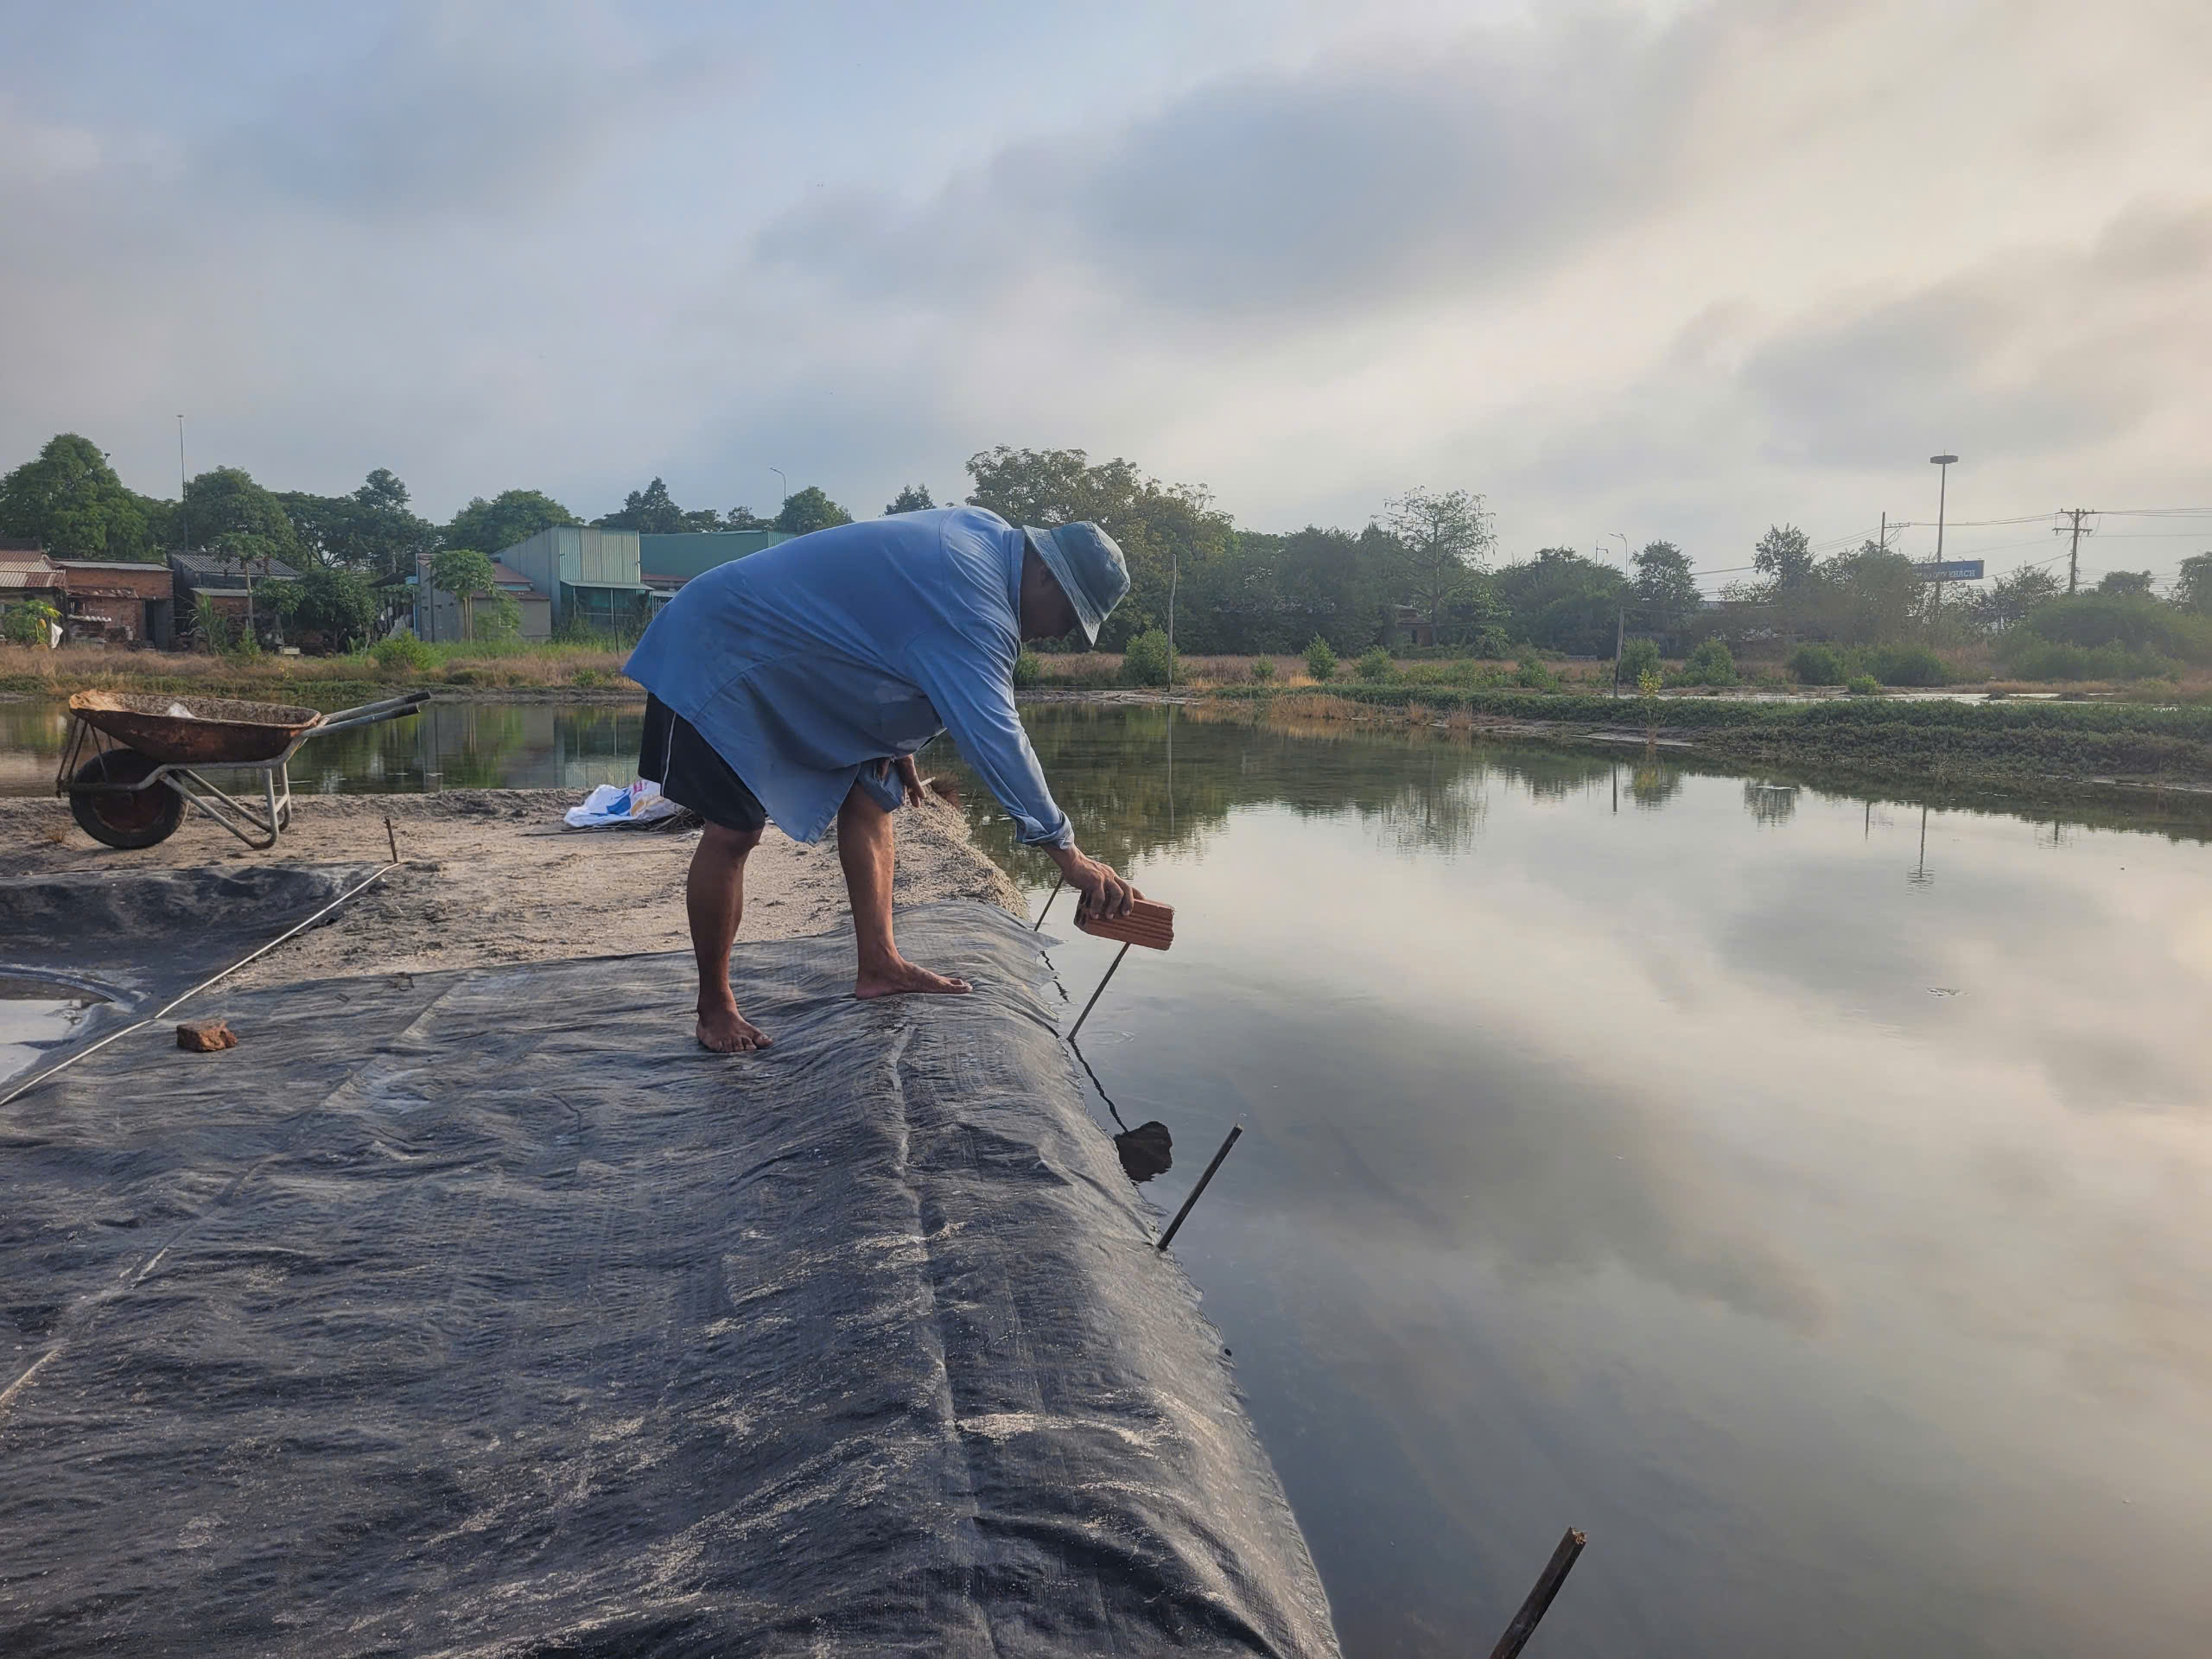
{"x": 1806, "y": 1196}
{"x": 36, "y": 1018}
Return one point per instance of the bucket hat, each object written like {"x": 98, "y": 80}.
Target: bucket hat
{"x": 1089, "y": 567}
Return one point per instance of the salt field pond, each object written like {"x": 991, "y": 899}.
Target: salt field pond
{"x": 1806, "y": 1196}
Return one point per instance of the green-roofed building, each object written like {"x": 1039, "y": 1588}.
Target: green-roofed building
{"x": 668, "y": 562}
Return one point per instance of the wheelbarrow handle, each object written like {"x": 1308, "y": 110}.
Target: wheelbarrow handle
{"x": 384, "y": 709}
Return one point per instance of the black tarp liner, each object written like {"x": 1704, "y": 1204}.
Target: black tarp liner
{"x": 142, "y": 938}
{"x": 480, "y": 1313}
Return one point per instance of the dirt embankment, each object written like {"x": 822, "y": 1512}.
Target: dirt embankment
{"x": 492, "y": 876}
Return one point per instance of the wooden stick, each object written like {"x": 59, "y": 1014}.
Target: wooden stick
{"x": 1168, "y": 1237}
{"x": 1540, "y": 1599}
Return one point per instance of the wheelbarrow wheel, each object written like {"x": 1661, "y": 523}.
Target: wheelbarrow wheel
{"x": 144, "y": 817}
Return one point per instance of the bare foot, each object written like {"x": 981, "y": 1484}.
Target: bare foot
{"x": 728, "y": 1031}
{"x": 902, "y": 978}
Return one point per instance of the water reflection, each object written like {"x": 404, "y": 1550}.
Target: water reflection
{"x": 510, "y": 745}
{"x": 1771, "y": 804}
{"x": 1819, "y": 1239}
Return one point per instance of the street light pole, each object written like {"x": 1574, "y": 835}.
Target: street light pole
{"x": 786, "y": 484}
{"x": 1943, "y": 464}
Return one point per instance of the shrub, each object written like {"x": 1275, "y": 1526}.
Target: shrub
{"x": 1473, "y": 674}
{"x": 1816, "y": 666}
{"x": 403, "y": 653}
{"x": 1708, "y": 665}
{"x": 1907, "y": 665}
{"x": 1321, "y": 659}
{"x": 1637, "y": 656}
{"x": 27, "y": 624}
{"x": 2043, "y": 659}
{"x": 2141, "y": 625}
{"x": 1028, "y": 668}
{"x": 338, "y": 604}
{"x": 1531, "y": 675}
{"x": 1374, "y": 664}
{"x": 1263, "y": 669}
{"x": 1146, "y": 662}
{"x": 1863, "y": 685}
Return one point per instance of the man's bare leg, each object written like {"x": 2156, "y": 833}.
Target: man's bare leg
{"x": 864, "y": 848}
{"x": 713, "y": 901}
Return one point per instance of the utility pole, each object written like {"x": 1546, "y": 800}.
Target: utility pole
{"x": 1885, "y": 543}
{"x": 2073, "y": 549}
{"x": 183, "y": 517}
{"x": 1943, "y": 464}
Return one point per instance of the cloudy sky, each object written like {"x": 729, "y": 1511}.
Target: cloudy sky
{"x": 1670, "y": 270}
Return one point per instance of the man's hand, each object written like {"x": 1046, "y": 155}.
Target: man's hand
{"x": 909, "y": 777}
{"x": 1104, "y": 892}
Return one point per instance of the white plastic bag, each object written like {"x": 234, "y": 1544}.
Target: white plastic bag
{"x": 612, "y": 806}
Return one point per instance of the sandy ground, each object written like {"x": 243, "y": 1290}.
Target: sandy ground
{"x": 491, "y": 876}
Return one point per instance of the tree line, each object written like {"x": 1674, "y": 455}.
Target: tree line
{"x": 1425, "y": 565}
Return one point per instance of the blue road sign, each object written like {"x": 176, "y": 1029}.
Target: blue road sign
{"x": 1949, "y": 570}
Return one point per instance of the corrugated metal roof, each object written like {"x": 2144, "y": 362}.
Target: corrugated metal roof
{"x": 212, "y": 570}
{"x": 511, "y": 581}
{"x": 30, "y": 576}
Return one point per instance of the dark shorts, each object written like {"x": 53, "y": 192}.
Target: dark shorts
{"x": 692, "y": 773}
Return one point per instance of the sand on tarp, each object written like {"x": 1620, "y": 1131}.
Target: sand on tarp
{"x": 481, "y": 1312}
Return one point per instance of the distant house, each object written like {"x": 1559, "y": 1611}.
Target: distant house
{"x": 439, "y": 615}
{"x": 1412, "y": 627}
{"x": 666, "y": 563}
{"x": 590, "y": 577}
{"x": 119, "y": 602}
{"x": 225, "y": 583}
{"x": 27, "y": 574}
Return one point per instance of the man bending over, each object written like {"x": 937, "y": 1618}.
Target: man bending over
{"x": 798, "y": 685}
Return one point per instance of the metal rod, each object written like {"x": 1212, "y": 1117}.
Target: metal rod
{"x": 1540, "y": 1599}
{"x": 392, "y": 837}
{"x": 1199, "y": 1191}
{"x": 1038, "y": 926}
{"x": 1093, "y": 1003}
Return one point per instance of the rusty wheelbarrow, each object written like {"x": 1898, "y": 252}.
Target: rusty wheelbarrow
{"x": 128, "y": 766}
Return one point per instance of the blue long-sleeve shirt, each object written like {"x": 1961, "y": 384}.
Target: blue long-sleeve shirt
{"x": 806, "y": 664}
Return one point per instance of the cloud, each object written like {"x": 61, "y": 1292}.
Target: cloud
{"x": 497, "y": 109}
{"x": 1673, "y": 272}
{"x": 1349, "y": 183}
{"x": 2034, "y": 351}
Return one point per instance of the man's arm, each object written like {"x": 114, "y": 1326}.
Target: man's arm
{"x": 974, "y": 697}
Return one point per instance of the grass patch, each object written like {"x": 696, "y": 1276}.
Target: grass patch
{"x": 2011, "y": 741}
{"x": 271, "y": 679}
